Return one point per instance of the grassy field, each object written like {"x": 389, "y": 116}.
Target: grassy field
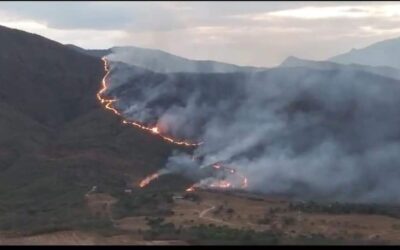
{"x": 210, "y": 217}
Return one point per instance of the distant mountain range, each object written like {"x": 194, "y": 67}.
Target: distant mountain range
{"x": 384, "y": 53}
{"x": 163, "y": 62}
{"x": 326, "y": 65}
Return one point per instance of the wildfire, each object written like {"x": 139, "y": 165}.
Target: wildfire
{"x": 233, "y": 172}
{"x": 244, "y": 180}
{"x": 108, "y": 104}
{"x": 216, "y": 166}
{"x": 223, "y": 184}
{"x": 148, "y": 179}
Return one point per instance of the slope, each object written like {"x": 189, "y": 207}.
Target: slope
{"x": 384, "y": 53}
{"x": 56, "y": 140}
{"x": 163, "y": 62}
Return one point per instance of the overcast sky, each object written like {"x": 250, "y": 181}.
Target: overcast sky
{"x": 244, "y": 33}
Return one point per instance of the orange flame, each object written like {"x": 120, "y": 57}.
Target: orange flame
{"x": 108, "y": 104}
{"x": 223, "y": 184}
{"x": 232, "y": 171}
{"x": 148, "y": 179}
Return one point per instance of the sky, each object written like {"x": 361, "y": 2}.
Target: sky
{"x": 243, "y": 33}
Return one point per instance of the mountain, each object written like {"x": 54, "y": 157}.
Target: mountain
{"x": 92, "y": 52}
{"x": 384, "y": 53}
{"x": 163, "y": 62}
{"x": 56, "y": 140}
{"x": 327, "y": 65}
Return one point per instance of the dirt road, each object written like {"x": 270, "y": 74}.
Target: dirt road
{"x": 203, "y": 213}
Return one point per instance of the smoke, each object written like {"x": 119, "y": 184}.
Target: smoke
{"x": 313, "y": 134}
{"x": 163, "y": 62}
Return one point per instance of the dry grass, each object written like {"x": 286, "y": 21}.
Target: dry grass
{"x": 245, "y": 213}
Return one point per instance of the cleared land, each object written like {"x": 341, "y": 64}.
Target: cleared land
{"x": 210, "y": 210}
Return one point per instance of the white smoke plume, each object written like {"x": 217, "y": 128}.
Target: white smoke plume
{"x": 317, "y": 134}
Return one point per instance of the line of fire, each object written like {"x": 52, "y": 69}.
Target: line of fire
{"x": 222, "y": 172}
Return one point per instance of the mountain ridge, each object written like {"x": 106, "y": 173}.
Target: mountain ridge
{"x": 383, "y": 53}
{"x": 164, "y": 62}
{"x": 385, "y": 71}
{"x": 56, "y": 139}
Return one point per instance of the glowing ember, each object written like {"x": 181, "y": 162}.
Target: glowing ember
{"x": 216, "y": 166}
{"x": 222, "y": 184}
{"x": 155, "y": 130}
{"x": 108, "y": 104}
{"x": 244, "y": 180}
{"x": 148, "y": 179}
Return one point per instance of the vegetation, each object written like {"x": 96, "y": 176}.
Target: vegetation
{"x": 209, "y": 234}
{"x": 288, "y": 221}
{"x": 58, "y": 143}
{"x": 223, "y": 235}
{"x": 192, "y": 197}
{"x": 160, "y": 230}
{"x": 266, "y": 220}
{"x": 143, "y": 203}
{"x": 396, "y": 226}
{"x": 345, "y": 208}
{"x": 314, "y": 239}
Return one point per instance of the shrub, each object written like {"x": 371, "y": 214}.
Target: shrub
{"x": 287, "y": 221}
{"x": 230, "y": 211}
{"x": 265, "y": 220}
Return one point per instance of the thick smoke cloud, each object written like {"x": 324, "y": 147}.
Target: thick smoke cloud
{"x": 313, "y": 134}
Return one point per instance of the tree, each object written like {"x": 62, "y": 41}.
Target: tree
{"x": 287, "y": 221}
{"x": 230, "y": 211}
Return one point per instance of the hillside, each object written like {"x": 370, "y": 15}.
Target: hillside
{"x": 92, "y": 52}
{"x": 384, "y": 53}
{"x": 56, "y": 140}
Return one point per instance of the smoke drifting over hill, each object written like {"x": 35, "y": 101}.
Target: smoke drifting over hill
{"x": 308, "y": 133}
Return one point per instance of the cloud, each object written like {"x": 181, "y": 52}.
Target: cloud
{"x": 251, "y": 33}
{"x": 135, "y": 16}
{"x": 85, "y": 38}
{"x": 311, "y": 12}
